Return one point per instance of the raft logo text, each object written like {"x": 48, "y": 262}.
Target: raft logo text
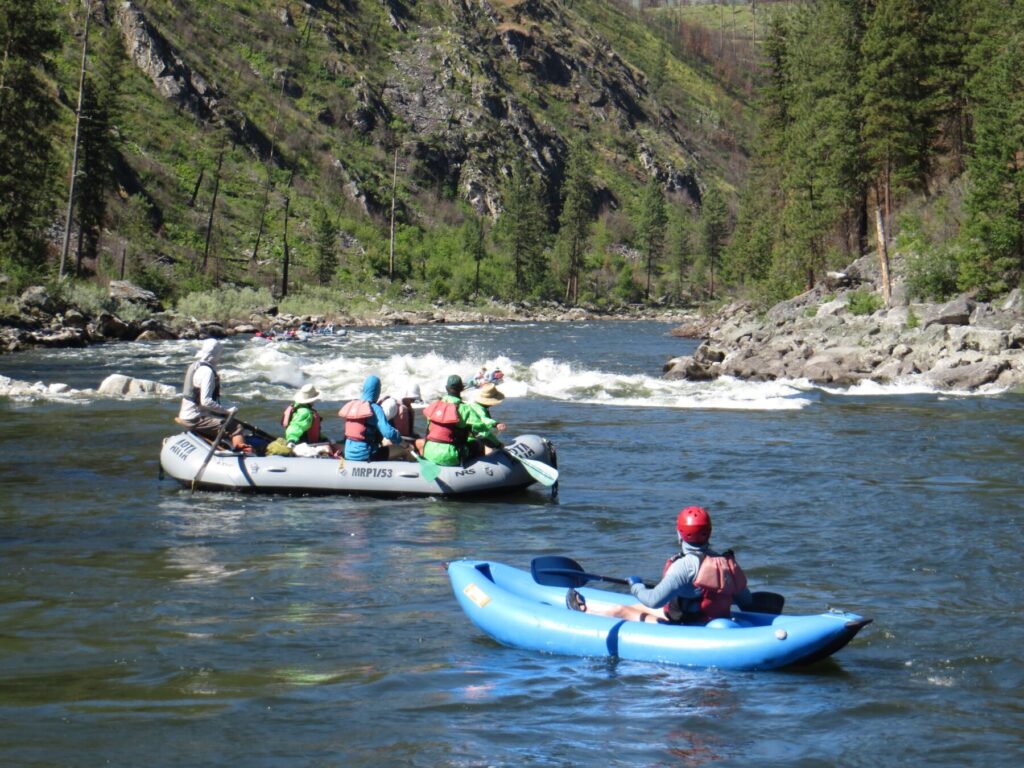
{"x": 183, "y": 448}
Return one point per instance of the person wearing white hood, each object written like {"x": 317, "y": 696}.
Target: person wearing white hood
{"x": 201, "y": 411}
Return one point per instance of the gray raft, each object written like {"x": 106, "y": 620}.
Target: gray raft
{"x": 183, "y": 455}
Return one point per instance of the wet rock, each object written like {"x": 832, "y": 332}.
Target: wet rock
{"x": 119, "y": 384}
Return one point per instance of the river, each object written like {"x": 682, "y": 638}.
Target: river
{"x": 145, "y": 625}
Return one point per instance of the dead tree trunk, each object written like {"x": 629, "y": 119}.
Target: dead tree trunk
{"x": 74, "y": 152}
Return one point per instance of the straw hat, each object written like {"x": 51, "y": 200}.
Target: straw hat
{"x": 308, "y": 394}
{"x": 489, "y": 395}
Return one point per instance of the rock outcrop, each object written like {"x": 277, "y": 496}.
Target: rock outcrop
{"x": 828, "y": 336}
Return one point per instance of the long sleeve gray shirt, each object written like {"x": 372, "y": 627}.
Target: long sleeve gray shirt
{"x": 678, "y": 580}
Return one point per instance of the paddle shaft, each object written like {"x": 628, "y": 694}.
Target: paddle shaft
{"x": 213, "y": 449}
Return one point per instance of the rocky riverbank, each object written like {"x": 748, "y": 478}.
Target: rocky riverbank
{"x": 830, "y": 335}
{"x": 40, "y": 319}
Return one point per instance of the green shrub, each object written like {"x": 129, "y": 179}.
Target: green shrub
{"x": 88, "y": 298}
{"x": 225, "y": 304}
{"x": 863, "y": 302}
{"x": 913, "y": 321}
{"x": 932, "y": 274}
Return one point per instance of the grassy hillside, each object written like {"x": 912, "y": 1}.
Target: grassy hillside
{"x": 304, "y": 108}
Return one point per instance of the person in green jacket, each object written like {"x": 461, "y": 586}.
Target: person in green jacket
{"x": 450, "y": 425}
{"x": 301, "y": 420}
{"x": 487, "y": 397}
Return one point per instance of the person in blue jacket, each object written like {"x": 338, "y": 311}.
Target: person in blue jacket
{"x": 367, "y": 431}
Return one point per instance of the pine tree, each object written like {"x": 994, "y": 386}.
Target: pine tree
{"x": 27, "y": 112}
{"x": 99, "y": 146}
{"x": 521, "y": 229}
{"x": 325, "y": 236}
{"x": 577, "y": 216}
{"x": 652, "y": 221}
{"x": 993, "y": 233}
{"x": 898, "y": 121}
{"x": 713, "y": 231}
{"x": 474, "y": 245}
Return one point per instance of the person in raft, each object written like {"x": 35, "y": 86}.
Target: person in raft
{"x": 367, "y": 431}
{"x": 302, "y": 422}
{"x": 450, "y": 424}
{"x": 201, "y": 410}
{"x": 697, "y": 584}
{"x": 399, "y": 410}
{"x": 486, "y": 397}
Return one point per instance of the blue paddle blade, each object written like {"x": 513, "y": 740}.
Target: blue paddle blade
{"x": 558, "y": 571}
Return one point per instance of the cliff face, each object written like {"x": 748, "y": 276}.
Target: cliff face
{"x": 461, "y": 87}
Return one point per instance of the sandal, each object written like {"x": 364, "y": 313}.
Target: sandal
{"x": 574, "y": 601}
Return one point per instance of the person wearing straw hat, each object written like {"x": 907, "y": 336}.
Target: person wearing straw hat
{"x": 488, "y": 441}
{"x": 301, "y": 420}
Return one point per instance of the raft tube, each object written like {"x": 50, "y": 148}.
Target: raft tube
{"x": 507, "y": 604}
{"x": 182, "y": 456}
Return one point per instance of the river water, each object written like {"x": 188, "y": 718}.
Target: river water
{"x": 144, "y": 625}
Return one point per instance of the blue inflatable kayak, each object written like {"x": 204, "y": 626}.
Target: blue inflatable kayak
{"x": 515, "y": 610}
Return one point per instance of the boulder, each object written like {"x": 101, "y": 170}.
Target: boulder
{"x": 956, "y": 312}
{"x": 119, "y": 384}
{"x": 37, "y": 300}
{"x": 129, "y": 293}
{"x": 966, "y": 377}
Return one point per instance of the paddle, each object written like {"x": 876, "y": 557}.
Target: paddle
{"x": 559, "y": 571}
{"x": 543, "y": 473}
{"x": 256, "y": 430}
{"x": 428, "y": 469}
{"x": 213, "y": 448}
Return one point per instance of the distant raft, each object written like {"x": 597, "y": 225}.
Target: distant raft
{"x": 507, "y": 604}
{"x": 183, "y": 455}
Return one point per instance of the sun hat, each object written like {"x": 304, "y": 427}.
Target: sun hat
{"x": 308, "y": 394}
{"x": 489, "y": 395}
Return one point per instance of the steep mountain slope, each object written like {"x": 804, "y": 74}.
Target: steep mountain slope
{"x": 264, "y": 106}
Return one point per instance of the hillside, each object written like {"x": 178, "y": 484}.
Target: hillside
{"x": 245, "y": 129}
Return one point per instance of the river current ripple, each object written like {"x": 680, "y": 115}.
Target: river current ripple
{"x": 144, "y": 625}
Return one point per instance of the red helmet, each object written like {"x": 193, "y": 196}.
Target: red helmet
{"x": 694, "y": 525}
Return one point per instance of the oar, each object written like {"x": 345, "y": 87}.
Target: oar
{"x": 428, "y": 469}
{"x": 213, "y": 449}
{"x": 256, "y": 430}
{"x": 559, "y": 571}
{"x": 543, "y": 473}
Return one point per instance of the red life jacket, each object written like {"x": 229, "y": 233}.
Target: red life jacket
{"x": 719, "y": 578}
{"x": 311, "y": 435}
{"x": 357, "y": 415}
{"x": 403, "y": 420}
{"x": 444, "y": 423}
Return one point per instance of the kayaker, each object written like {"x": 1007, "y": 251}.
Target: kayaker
{"x": 367, "y": 431}
{"x": 450, "y": 423}
{"x": 697, "y": 583}
{"x": 201, "y": 411}
{"x": 486, "y": 397}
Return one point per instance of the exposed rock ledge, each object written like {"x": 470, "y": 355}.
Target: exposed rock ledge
{"x": 959, "y": 345}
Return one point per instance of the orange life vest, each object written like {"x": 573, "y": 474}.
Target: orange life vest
{"x": 357, "y": 415}
{"x": 719, "y": 578}
{"x": 312, "y": 434}
{"x": 444, "y": 423}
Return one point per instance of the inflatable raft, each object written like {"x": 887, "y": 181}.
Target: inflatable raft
{"x": 515, "y": 610}
{"x": 182, "y": 457}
